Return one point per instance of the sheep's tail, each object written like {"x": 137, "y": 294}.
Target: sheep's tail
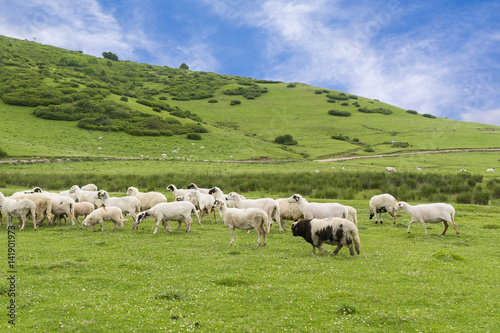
{"x": 357, "y": 241}
{"x": 33, "y": 217}
{"x": 265, "y": 225}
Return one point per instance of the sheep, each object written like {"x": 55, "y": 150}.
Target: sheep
{"x": 89, "y": 187}
{"x": 163, "y": 212}
{"x": 43, "y": 206}
{"x": 352, "y": 215}
{"x": 333, "y": 231}
{"x": 70, "y": 194}
{"x": 193, "y": 186}
{"x": 270, "y": 206}
{"x": 102, "y": 214}
{"x": 418, "y": 169}
{"x": 22, "y": 209}
{"x": 288, "y": 211}
{"x": 204, "y": 202}
{"x": 147, "y": 199}
{"x": 430, "y": 213}
{"x": 312, "y": 210}
{"x": 128, "y": 205}
{"x": 383, "y": 203}
{"x": 244, "y": 219}
{"x": 83, "y": 208}
{"x": 463, "y": 170}
{"x": 63, "y": 206}
{"x": 491, "y": 170}
{"x": 218, "y": 194}
{"x": 390, "y": 169}
{"x": 176, "y": 191}
{"x": 86, "y": 196}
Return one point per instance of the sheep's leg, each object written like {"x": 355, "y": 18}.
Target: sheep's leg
{"x": 454, "y": 225}
{"x": 445, "y": 228}
{"x": 232, "y": 236}
{"x": 157, "y": 224}
{"x": 102, "y": 226}
{"x": 425, "y": 229}
{"x": 259, "y": 236}
{"x": 409, "y": 226}
{"x": 321, "y": 249}
{"x": 337, "y": 249}
{"x": 393, "y": 214}
{"x": 189, "y": 223}
{"x": 93, "y": 227}
{"x": 22, "y": 219}
{"x": 114, "y": 226}
{"x": 180, "y": 224}
{"x": 122, "y": 226}
{"x": 215, "y": 216}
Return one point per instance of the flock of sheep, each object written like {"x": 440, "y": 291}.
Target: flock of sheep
{"x": 317, "y": 223}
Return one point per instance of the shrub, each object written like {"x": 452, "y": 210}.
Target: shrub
{"x": 412, "y": 111}
{"x": 400, "y": 144}
{"x": 291, "y": 85}
{"x": 428, "y": 115}
{"x": 213, "y": 101}
{"x": 339, "y": 113}
{"x": 194, "y": 136}
{"x": 3, "y": 153}
{"x": 286, "y": 139}
{"x": 235, "y": 102}
{"x": 378, "y": 110}
{"x": 318, "y": 92}
{"x": 338, "y": 97}
{"x": 340, "y": 137}
{"x": 124, "y": 98}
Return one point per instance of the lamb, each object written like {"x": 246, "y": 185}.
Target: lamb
{"x": 22, "y": 209}
{"x": 63, "y": 206}
{"x": 315, "y": 210}
{"x": 430, "y": 213}
{"x": 333, "y": 231}
{"x": 102, "y": 214}
{"x": 204, "y": 202}
{"x": 177, "y": 192}
{"x": 43, "y": 206}
{"x": 244, "y": 219}
{"x": 163, "y": 212}
{"x": 390, "y": 169}
{"x": 128, "y": 205}
{"x": 383, "y": 203}
{"x": 491, "y": 170}
{"x": 270, "y": 206}
{"x": 86, "y": 196}
{"x": 288, "y": 211}
{"x": 193, "y": 186}
{"x": 147, "y": 199}
{"x": 83, "y": 208}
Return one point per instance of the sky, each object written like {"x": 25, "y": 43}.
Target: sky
{"x": 432, "y": 56}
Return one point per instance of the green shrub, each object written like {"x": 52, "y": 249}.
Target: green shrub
{"x": 286, "y": 139}
{"x": 3, "y": 153}
{"x": 235, "y": 102}
{"x": 291, "y": 85}
{"x": 338, "y": 97}
{"x": 378, "y": 110}
{"x": 340, "y": 137}
{"x": 400, "y": 145}
{"x": 124, "y": 98}
{"x": 428, "y": 115}
{"x": 339, "y": 113}
{"x": 194, "y": 136}
{"x": 318, "y": 92}
{"x": 213, "y": 101}
{"x": 412, "y": 111}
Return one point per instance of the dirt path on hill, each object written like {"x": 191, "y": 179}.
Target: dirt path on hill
{"x": 426, "y": 152}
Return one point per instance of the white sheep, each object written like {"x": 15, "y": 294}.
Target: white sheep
{"x": 430, "y": 213}
{"x": 352, "y": 214}
{"x": 390, "y": 169}
{"x": 383, "y": 203}
{"x": 418, "y": 169}
{"x": 270, "y": 206}
{"x": 128, "y": 205}
{"x": 244, "y": 219}
{"x": 491, "y": 170}
{"x": 288, "y": 211}
{"x": 86, "y": 196}
{"x": 102, "y": 214}
{"x": 333, "y": 231}
{"x": 163, "y": 212}
{"x": 63, "y": 206}
{"x": 22, "y": 209}
{"x": 193, "y": 186}
{"x": 83, "y": 209}
{"x": 316, "y": 210}
{"x": 204, "y": 202}
{"x": 177, "y": 191}
{"x": 43, "y": 206}
{"x": 147, "y": 199}
{"x": 463, "y": 170}
{"x": 70, "y": 194}
{"x": 89, "y": 187}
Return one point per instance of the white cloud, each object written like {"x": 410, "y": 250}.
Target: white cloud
{"x": 491, "y": 117}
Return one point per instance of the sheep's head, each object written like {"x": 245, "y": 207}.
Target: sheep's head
{"x": 171, "y": 188}
{"x": 400, "y": 205}
{"x": 179, "y": 198}
{"x": 89, "y": 220}
{"x": 37, "y": 190}
{"x": 212, "y": 190}
{"x": 73, "y": 188}
{"x": 294, "y": 198}
{"x": 192, "y": 186}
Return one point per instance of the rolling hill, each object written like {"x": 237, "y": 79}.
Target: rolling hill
{"x": 57, "y": 103}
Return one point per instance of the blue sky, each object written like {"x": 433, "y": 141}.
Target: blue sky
{"x": 438, "y": 57}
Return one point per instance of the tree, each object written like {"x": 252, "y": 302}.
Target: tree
{"x": 110, "y": 56}
{"x": 286, "y": 139}
{"x": 184, "y": 66}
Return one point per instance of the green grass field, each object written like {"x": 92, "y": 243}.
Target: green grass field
{"x": 72, "y": 279}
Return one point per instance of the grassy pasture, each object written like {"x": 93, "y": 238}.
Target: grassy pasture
{"x": 72, "y": 279}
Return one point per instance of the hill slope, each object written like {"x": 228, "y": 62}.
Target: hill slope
{"x": 140, "y": 109}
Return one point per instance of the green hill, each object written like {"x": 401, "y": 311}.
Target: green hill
{"x": 56, "y": 102}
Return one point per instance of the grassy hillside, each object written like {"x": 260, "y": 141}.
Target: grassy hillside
{"x": 140, "y": 109}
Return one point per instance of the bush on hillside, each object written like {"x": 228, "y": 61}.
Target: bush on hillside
{"x": 3, "y": 153}
{"x": 194, "y": 136}
{"x": 411, "y": 111}
{"x": 428, "y": 115}
{"x": 339, "y": 113}
{"x": 286, "y": 139}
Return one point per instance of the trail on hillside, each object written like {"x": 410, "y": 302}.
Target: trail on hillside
{"x": 426, "y": 152}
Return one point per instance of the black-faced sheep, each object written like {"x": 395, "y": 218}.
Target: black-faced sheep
{"x": 383, "y": 203}
{"x": 334, "y": 231}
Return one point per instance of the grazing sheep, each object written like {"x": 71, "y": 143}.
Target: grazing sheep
{"x": 430, "y": 213}
{"x": 86, "y": 196}
{"x": 288, "y": 211}
{"x": 128, "y": 205}
{"x": 383, "y": 203}
{"x": 270, "y": 206}
{"x": 89, "y": 187}
{"x": 70, "y": 194}
{"x": 102, "y": 214}
{"x": 193, "y": 186}
{"x": 315, "y": 210}
{"x": 83, "y": 209}
{"x": 463, "y": 170}
{"x": 244, "y": 219}
{"x": 204, "y": 202}
{"x": 163, "y": 212}
{"x": 176, "y": 191}
{"x": 491, "y": 170}
{"x": 333, "y": 231}
{"x": 43, "y": 206}
{"x": 390, "y": 169}
{"x": 22, "y": 209}
{"x": 63, "y": 206}
{"x": 147, "y": 199}
{"x": 418, "y": 169}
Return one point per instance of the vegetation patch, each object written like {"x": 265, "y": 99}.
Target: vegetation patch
{"x": 286, "y": 139}
{"x": 250, "y": 92}
{"x": 448, "y": 256}
{"x": 377, "y": 110}
{"x": 339, "y": 113}
{"x": 491, "y": 226}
